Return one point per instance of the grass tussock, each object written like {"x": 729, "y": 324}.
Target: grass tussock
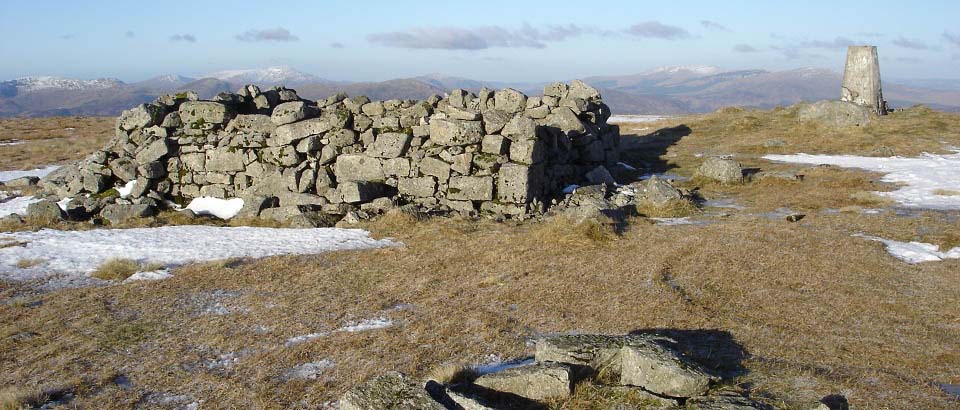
{"x": 27, "y": 263}
{"x": 118, "y": 269}
{"x": 946, "y": 192}
{"x": 565, "y": 231}
{"x": 588, "y": 396}
{"x": 451, "y": 373}
{"x": 674, "y": 209}
{"x": 15, "y": 398}
{"x": 870, "y": 200}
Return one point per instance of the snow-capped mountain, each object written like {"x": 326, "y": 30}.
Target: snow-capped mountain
{"x": 31, "y": 84}
{"x": 165, "y": 82}
{"x": 269, "y": 76}
{"x": 697, "y": 69}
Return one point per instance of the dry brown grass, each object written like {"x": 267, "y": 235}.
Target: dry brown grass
{"x": 52, "y": 140}
{"x": 946, "y": 192}
{"x": 116, "y": 269}
{"x": 28, "y": 263}
{"x": 796, "y": 310}
{"x": 808, "y": 303}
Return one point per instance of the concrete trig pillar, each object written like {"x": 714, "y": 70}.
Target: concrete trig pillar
{"x": 861, "y": 79}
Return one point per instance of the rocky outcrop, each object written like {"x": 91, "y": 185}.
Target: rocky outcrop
{"x": 645, "y": 366}
{"x": 499, "y": 153}
{"x": 835, "y": 114}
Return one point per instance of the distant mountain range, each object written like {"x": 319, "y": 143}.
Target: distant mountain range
{"x": 666, "y": 90}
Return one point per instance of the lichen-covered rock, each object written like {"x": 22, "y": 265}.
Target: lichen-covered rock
{"x": 389, "y": 145}
{"x": 291, "y": 133}
{"x": 289, "y": 112}
{"x": 141, "y": 116}
{"x": 566, "y": 121}
{"x": 117, "y": 213}
{"x": 195, "y": 114}
{"x": 44, "y": 210}
{"x": 153, "y": 152}
{"x": 725, "y": 171}
{"x": 421, "y": 187}
{"x": 470, "y": 188}
{"x": 835, "y": 113}
{"x": 661, "y": 370}
{"x": 658, "y": 192}
{"x": 539, "y": 381}
{"x": 725, "y": 401}
{"x": 450, "y": 132}
{"x": 252, "y": 123}
{"x": 357, "y": 167}
{"x": 392, "y": 391}
{"x": 510, "y": 100}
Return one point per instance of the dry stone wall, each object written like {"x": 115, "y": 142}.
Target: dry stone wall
{"x": 492, "y": 152}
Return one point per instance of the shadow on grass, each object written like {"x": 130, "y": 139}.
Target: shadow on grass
{"x": 716, "y": 350}
{"x": 646, "y": 152}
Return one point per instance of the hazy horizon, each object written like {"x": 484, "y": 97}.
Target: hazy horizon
{"x": 496, "y": 41}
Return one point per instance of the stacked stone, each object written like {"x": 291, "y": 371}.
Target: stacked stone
{"x": 494, "y": 152}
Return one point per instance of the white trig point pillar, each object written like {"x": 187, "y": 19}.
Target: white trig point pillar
{"x": 861, "y": 79}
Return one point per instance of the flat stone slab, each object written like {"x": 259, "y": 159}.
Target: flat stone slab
{"x": 539, "y": 381}
{"x": 392, "y": 391}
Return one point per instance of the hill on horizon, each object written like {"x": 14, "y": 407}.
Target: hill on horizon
{"x": 666, "y": 90}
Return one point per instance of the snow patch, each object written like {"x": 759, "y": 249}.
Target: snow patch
{"x": 309, "y": 371}
{"x": 626, "y": 166}
{"x": 7, "y": 143}
{"x": 17, "y": 205}
{"x": 39, "y": 173}
{"x": 221, "y": 208}
{"x": 569, "y": 189}
{"x": 149, "y": 275}
{"x": 915, "y": 252}
{"x": 673, "y": 221}
{"x": 76, "y": 253}
{"x": 635, "y": 119}
{"x": 351, "y": 327}
{"x": 125, "y": 190}
{"x": 63, "y": 203}
{"x": 922, "y": 176}
{"x": 497, "y": 365}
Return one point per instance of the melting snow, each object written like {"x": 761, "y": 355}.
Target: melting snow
{"x": 149, "y": 275}
{"x": 5, "y": 143}
{"x": 221, "y": 208}
{"x": 351, "y": 327}
{"x": 915, "y": 252}
{"x": 75, "y": 253}
{"x": 125, "y": 190}
{"x": 635, "y": 119}
{"x": 497, "y": 365}
{"x": 16, "y": 205}
{"x": 922, "y": 175}
{"x": 39, "y": 172}
{"x": 309, "y": 371}
{"x": 674, "y": 221}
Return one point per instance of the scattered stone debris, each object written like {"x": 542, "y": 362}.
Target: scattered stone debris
{"x": 645, "y": 364}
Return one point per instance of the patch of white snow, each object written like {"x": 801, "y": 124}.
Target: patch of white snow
{"x": 39, "y": 173}
{"x": 149, "y": 275}
{"x": 915, "y": 252}
{"x": 220, "y": 208}
{"x": 76, "y": 253}
{"x": 922, "y": 176}
{"x": 635, "y": 119}
{"x": 17, "y": 205}
{"x": 127, "y": 188}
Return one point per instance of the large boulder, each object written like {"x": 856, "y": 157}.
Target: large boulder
{"x": 725, "y": 171}
{"x": 195, "y": 114}
{"x": 358, "y": 167}
{"x": 118, "y": 213}
{"x": 141, "y": 116}
{"x": 644, "y": 361}
{"x": 455, "y": 132}
{"x": 290, "y": 133}
{"x": 44, "y": 210}
{"x": 539, "y": 381}
{"x": 290, "y": 112}
{"x": 658, "y": 192}
{"x": 392, "y": 391}
{"x": 835, "y": 113}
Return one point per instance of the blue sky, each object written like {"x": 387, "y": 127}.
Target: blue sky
{"x": 491, "y": 40}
